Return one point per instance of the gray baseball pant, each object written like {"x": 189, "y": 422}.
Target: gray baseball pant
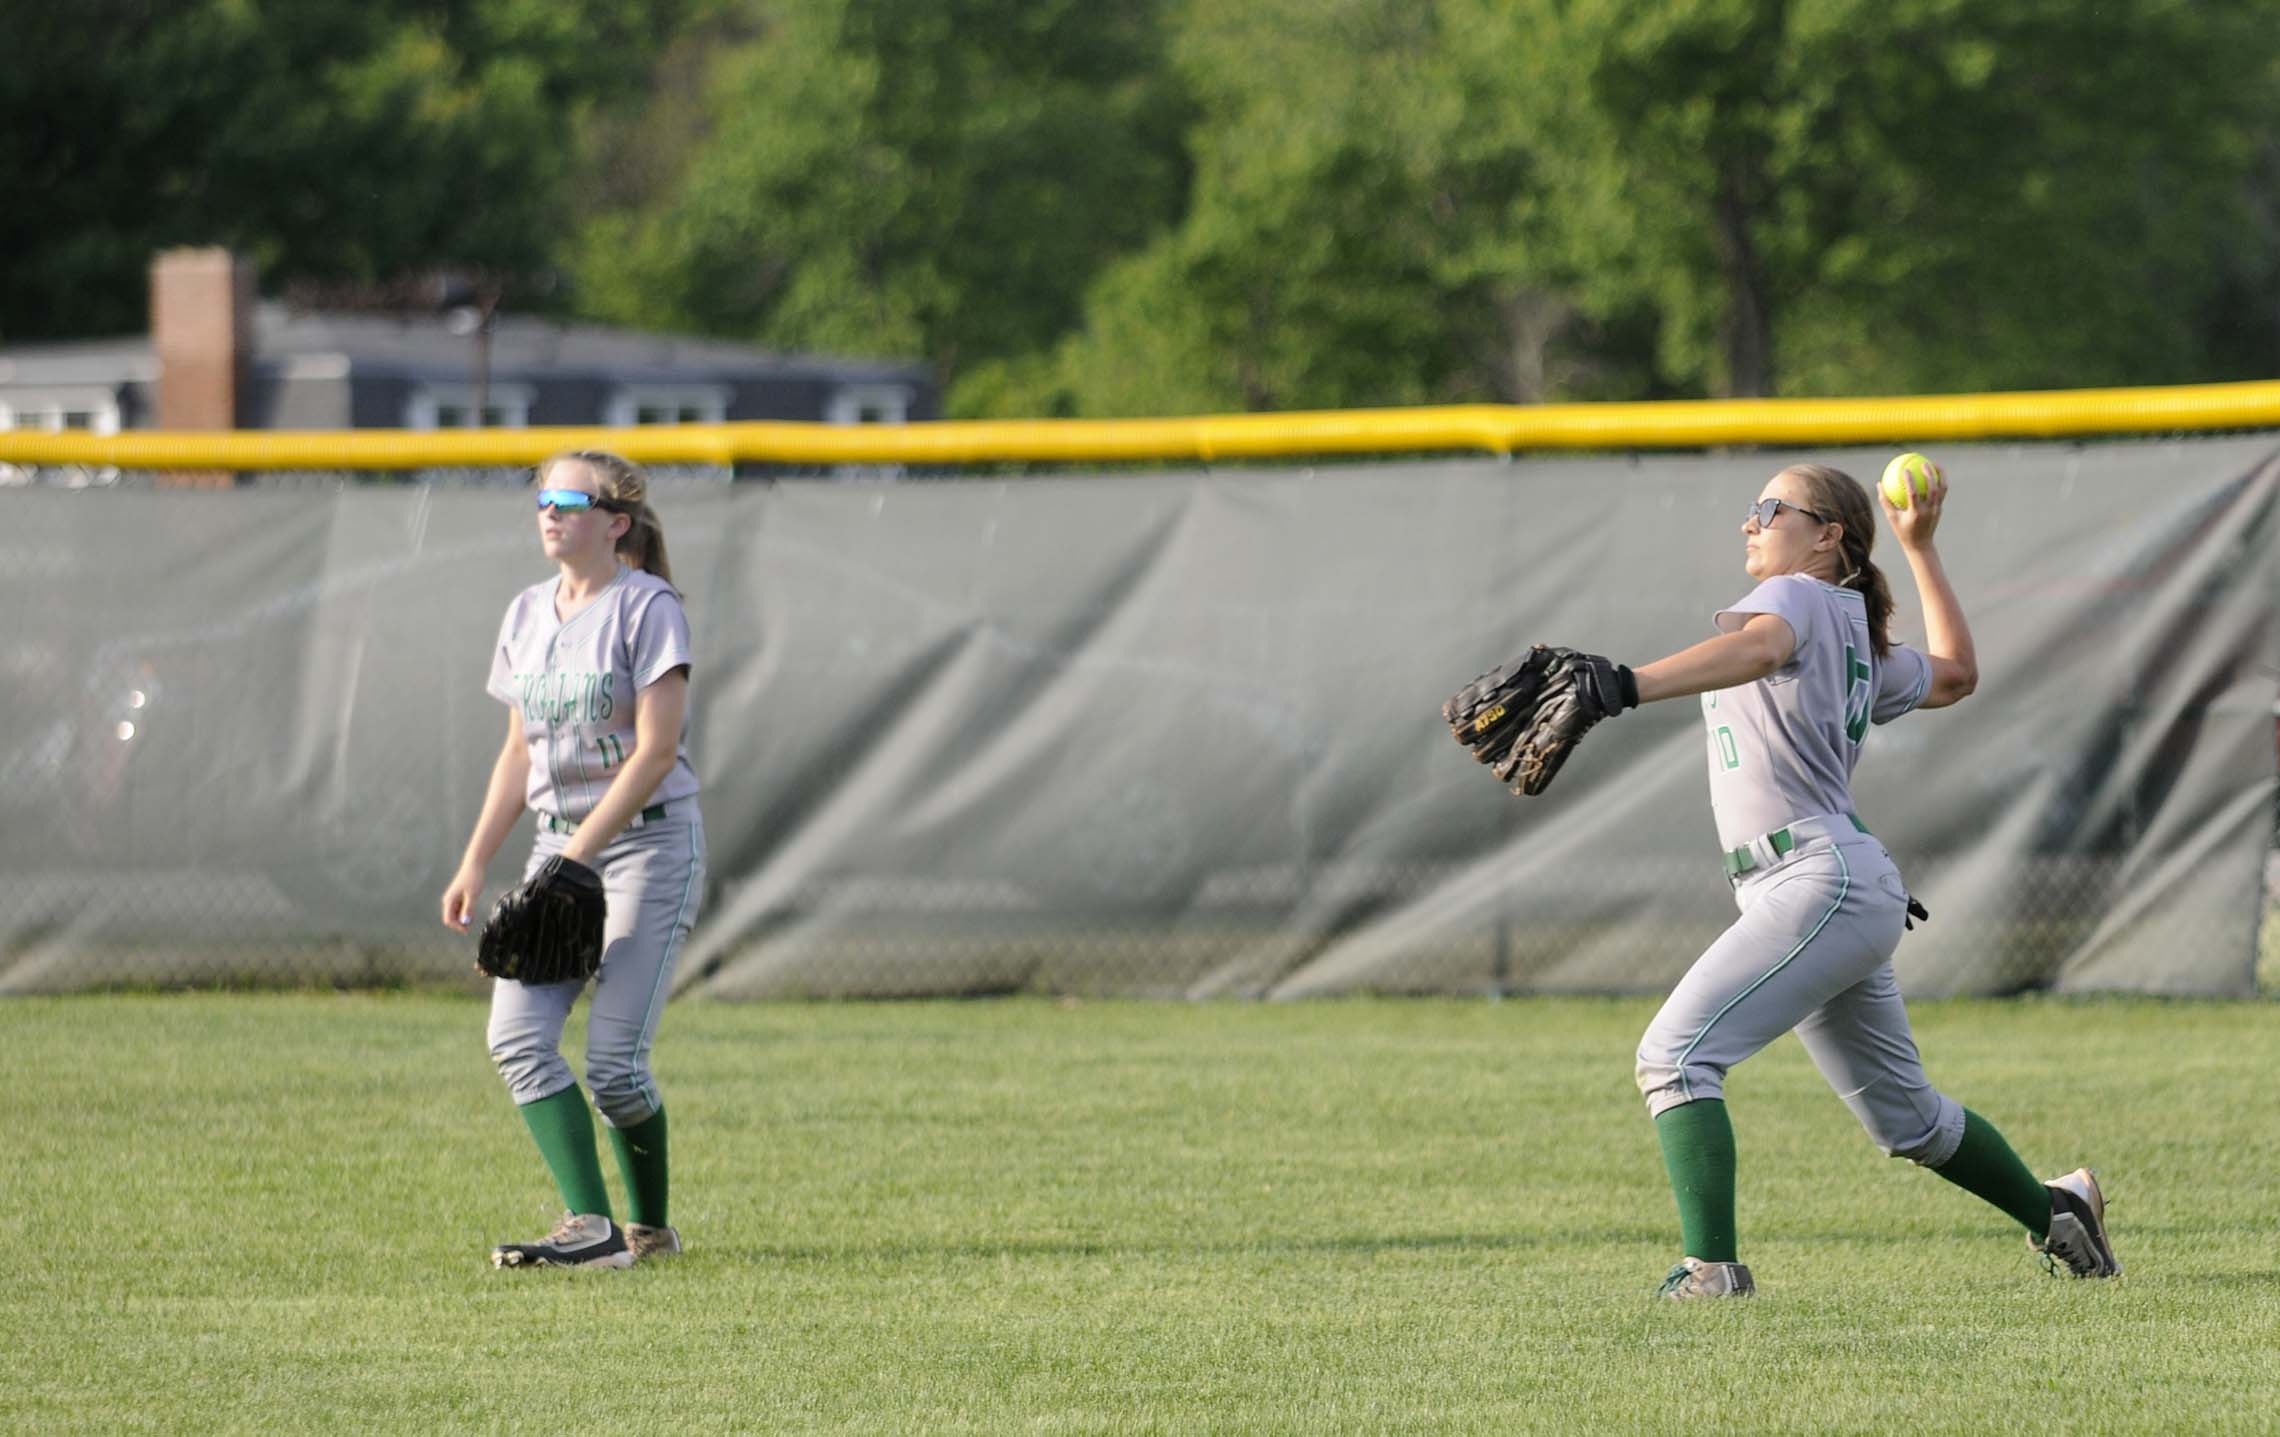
{"x": 653, "y": 876}
{"x": 1812, "y": 951}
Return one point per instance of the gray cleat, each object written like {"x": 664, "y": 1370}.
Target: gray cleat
{"x": 2077, "y": 1238}
{"x": 652, "y": 1242}
{"x": 1695, "y": 1278}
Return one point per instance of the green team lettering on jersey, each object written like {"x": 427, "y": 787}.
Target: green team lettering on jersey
{"x": 566, "y": 696}
{"x": 1784, "y": 747}
{"x": 1722, "y": 735}
{"x": 1858, "y": 696}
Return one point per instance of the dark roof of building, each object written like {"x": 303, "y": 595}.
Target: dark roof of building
{"x": 426, "y": 347}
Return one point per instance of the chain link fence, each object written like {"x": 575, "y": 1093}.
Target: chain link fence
{"x": 1168, "y": 733}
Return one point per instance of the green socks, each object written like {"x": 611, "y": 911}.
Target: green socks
{"x": 564, "y": 1128}
{"x": 1985, "y": 1167}
{"x": 641, "y": 1157}
{"x": 1698, "y": 1148}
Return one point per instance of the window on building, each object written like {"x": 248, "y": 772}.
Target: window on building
{"x": 667, "y": 404}
{"x": 453, "y": 406}
{"x": 95, "y": 411}
{"x": 869, "y": 404}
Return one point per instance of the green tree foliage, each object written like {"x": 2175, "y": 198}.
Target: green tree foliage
{"x": 1366, "y": 228}
{"x": 1489, "y": 199}
{"x": 331, "y": 139}
{"x": 1189, "y": 205}
{"x": 1311, "y": 267}
{"x": 1828, "y": 196}
{"x": 896, "y": 177}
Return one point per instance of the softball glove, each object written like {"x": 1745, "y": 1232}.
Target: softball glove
{"x": 1524, "y": 719}
{"x": 548, "y": 928}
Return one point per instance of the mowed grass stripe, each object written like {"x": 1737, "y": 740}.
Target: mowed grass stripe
{"x": 270, "y": 1212}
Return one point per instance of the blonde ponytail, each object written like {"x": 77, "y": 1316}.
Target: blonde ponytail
{"x": 1837, "y": 495}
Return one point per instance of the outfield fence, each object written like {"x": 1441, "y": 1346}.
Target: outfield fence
{"x": 1167, "y": 731}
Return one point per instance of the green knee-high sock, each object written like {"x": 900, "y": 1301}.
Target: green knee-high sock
{"x": 1698, "y": 1149}
{"x": 641, "y": 1157}
{"x": 1985, "y": 1167}
{"x": 564, "y": 1128}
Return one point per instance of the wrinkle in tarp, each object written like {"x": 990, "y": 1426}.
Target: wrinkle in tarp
{"x": 1171, "y": 734}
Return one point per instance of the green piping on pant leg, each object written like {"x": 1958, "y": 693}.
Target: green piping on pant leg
{"x": 665, "y": 966}
{"x": 1844, "y": 886}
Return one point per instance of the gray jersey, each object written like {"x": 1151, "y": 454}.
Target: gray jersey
{"x": 574, "y": 682}
{"x": 1784, "y": 747}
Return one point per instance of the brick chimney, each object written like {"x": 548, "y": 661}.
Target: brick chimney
{"x": 201, "y": 329}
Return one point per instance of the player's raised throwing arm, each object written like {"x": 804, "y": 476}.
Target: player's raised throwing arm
{"x": 502, "y": 805}
{"x": 1947, "y": 638}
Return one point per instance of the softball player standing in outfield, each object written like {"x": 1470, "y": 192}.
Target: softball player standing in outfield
{"x": 1801, "y": 668}
{"x": 593, "y": 666}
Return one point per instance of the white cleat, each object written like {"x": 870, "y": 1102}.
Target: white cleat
{"x": 579, "y": 1240}
{"x": 2077, "y": 1238}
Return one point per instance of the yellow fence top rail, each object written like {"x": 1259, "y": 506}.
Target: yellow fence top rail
{"x": 1490, "y": 428}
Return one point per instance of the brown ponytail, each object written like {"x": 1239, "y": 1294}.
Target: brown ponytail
{"x": 626, "y": 488}
{"x": 1844, "y": 499}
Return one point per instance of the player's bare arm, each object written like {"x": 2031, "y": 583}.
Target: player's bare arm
{"x": 1744, "y": 656}
{"x": 657, "y": 713}
{"x": 1525, "y": 718}
{"x": 1955, "y": 662}
{"x": 502, "y": 805}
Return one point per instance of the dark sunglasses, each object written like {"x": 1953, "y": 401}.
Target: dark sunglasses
{"x": 1765, "y": 511}
{"x": 572, "y": 501}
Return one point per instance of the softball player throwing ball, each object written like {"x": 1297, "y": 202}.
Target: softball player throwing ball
{"x": 593, "y": 666}
{"x": 1800, "y": 669}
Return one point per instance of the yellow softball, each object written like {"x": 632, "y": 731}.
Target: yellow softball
{"x": 1909, "y": 477}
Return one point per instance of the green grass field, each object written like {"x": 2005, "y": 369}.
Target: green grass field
{"x": 271, "y": 1212}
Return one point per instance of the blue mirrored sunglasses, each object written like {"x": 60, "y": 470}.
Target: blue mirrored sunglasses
{"x": 1765, "y": 511}
{"x": 571, "y": 501}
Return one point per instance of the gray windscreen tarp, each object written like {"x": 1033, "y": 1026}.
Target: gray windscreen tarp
{"x": 1169, "y": 733}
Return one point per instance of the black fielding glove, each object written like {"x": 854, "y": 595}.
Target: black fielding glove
{"x": 548, "y": 928}
{"x": 1526, "y": 718}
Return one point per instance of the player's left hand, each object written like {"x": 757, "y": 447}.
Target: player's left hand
{"x": 1913, "y": 525}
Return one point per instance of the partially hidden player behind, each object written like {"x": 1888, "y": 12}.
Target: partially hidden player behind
{"x": 1800, "y": 670}
{"x": 593, "y": 666}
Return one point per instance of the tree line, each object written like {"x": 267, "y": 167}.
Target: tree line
{"x": 1177, "y": 206}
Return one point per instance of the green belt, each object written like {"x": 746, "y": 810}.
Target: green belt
{"x": 548, "y": 823}
{"x": 1740, "y": 860}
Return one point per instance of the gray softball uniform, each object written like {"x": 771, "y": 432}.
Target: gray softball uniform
{"x": 574, "y": 681}
{"x": 1822, "y": 906}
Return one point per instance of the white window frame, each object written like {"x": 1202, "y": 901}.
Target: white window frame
{"x": 424, "y": 409}
{"x": 50, "y": 409}
{"x": 849, "y": 402}
{"x": 710, "y": 401}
